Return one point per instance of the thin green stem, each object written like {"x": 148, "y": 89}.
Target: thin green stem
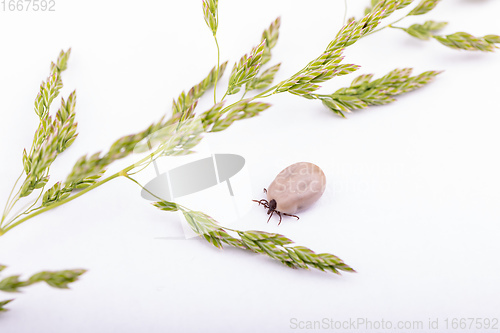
{"x": 391, "y": 26}
{"x": 59, "y": 203}
{"x": 5, "y": 213}
{"x": 387, "y": 26}
{"x": 265, "y": 96}
{"x": 13, "y": 203}
{"x": 261, "y": 95}
{"x": 27, "y": 211}
{"x": 71, "y": 198}
{"x": 225, "y": 94}
{"x": 144, "y": 167}
{"x": 243, "y": 96}
{"x": 182, "y": 208}
{"x": 19, "y": 211}
{"x": 345, "y": 12}
{"x": 7, "y": 210}
{"x": 320, "y": 95}
{"x": 217, "y": 72}
{"x": 145, "y": 189}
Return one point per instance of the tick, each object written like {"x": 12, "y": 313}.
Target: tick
{"x": 295, "y": 188}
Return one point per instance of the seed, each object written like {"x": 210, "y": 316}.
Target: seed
{"x": 295, "y": 188}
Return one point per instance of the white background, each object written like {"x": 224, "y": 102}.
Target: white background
{"x": 413, "y": 187}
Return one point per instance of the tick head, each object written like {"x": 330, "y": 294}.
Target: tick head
{"x": 272, "y": 206}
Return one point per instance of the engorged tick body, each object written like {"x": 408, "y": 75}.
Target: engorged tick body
{"x": 295, "y": 188}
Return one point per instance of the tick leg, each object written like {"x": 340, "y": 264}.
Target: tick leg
{"x": 262, "y": 202}
{"x": 270, "y": 216}
{"x": 279, "y": 213}
{"x": 291, "y": 215}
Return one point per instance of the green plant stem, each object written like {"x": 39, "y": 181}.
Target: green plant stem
{"x": 182, "y": 208}
{"x": 145, "y": 189}
{"x": 28, "y": 210}
{"x": 71, "y": 198}
{"x": 261, "y": 95}
{"x": 345, "y": 12}
{"x": 225, "y": 94}
{"x": 5, "y": 212}
{"x": 59, "y": 203}
{"x": 387, "y": 26}
{"x": 391, "y": 26}
{"x": 13, "y": 203}
{"x": 12, "y": 190}
{"x": 243, "y": 96}
{"x": 217, "y": 71}
{"x": 144, "y": 167}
